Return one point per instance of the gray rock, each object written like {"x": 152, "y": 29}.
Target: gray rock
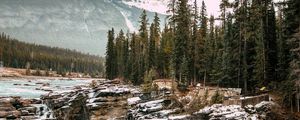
{"x": 11, "y": 108}
{"x": 3, "y": 114}
{"x": 29, "y": 109}
{"x": 24, "y": 112}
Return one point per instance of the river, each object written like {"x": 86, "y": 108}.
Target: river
{"x": 35, "y": 87}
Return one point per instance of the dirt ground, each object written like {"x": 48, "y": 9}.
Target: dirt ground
{"x": 17, "y": 72}
{"x": 11, "y": 72}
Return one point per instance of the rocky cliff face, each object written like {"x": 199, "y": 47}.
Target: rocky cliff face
{"x": 71, "y": 106}
{"x": 106, "y": 101}
{"x": 16, "y": 107}
{"x": 74, "y": 24}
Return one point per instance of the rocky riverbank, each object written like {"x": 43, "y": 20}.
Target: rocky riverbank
{"x": 18, "y": 108}
{"x": 106, "y": 99}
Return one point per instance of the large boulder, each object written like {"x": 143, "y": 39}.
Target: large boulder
{"x": 155, "y": 109}
{"x": 113, "y": 91}
{"x": 30, "y": 109}
{"x": 73, "y": 108}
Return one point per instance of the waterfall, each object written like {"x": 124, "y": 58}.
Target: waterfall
{"x": 44, "y": 112}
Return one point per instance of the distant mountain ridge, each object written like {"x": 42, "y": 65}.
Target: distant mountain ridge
{"x": 72, "y": 24}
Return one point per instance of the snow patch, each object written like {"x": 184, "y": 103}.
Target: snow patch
{"x": 128, "y": 22}
{"x": 134, "y": 100}
{"x": 159, "y": 6}
{"x": 178, "y": 117}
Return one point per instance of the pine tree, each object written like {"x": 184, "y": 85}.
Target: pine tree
{"x": 120, "y": 54}
{"x": 134, "y": 59}
{"x": 292, "y": 34}
{"x": 110, "y": 71}
{"x": 271, "y": 46}
{"x": 229, "y": 55}
{"x": 126, "y": 59}
{"x": 202, "y": 44}
{"x": 152, "y": 48}
{"x": 172, "y": 10}
{"x": 166, "y": 48}
{"x": 225, "y": 35}
{"x": 156, "y": 31}
{"x": 154, "y": 42}
{"x": 210, "y": 49}
{"x": 143, "y": 45}
{"x": 192, "y": 43}
{"x": 257, "y": 35}
{"x": 282, "y": 48}
{"x": 247, "y": 48}
{"x": 292, "y": 25}
{"x": 181, "y": 35}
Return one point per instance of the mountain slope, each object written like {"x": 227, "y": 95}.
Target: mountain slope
{"x": 73, "y": 24}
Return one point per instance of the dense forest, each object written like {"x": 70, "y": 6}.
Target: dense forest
{"x": 16, "y": 54}
{"x": 249, "y": 46}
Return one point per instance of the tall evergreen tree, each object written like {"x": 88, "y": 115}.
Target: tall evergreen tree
{"x": 271, "y": 45}
{"x": 134, "y": 59}
{"x": 282, "y": 48}
{"x": 209, "y": 48}
{"x": 257, "y": 35}
{"x": 192, "y": 43}
{"x": 230, "y": 56}
{"x": 152, "y": 48}
{"x": 166, "y": 48}
{"x": 172, "y": 10}
{"x": 182, "y": 35}
{"x": 291, "y": 31}
{"x": 119, "y": 47}
{"x": 154, "y": 42}
{"x": 126, "y": 59}
{"x": 202, "y": 44}
{"x": 143, "y": 45}
{"x": 109, "y": 62}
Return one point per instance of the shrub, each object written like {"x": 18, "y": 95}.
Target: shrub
{"x": 28, "y": 72}
{"x": 93, "y": 84}
{"x": 217, "y": 98}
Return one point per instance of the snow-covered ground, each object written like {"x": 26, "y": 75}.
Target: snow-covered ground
{"x": 156, "y": 109}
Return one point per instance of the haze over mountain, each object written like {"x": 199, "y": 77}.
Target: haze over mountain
{"x": 73, "y": 24}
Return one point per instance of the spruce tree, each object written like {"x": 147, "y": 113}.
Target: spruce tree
{"x": 166, "y": 48}
{"x": 282, "y": 48}
{"x": 271, "y": 45}
{"x": 154, "y": 42}
{"x": 192, "y": 43}
{"x": 229, "y": 55}
{"x": 182, "y": 35}
{"x": 152, "y": 46}
{"x": 172, "y": 10}
{"x": 109, "y": 62}
{"x": 126, "y": 58}
{"x": 120, "y": 54}
{"x": 292, "y": 34}
{"x": 257, "y": 35}
{"x": 210, "y": 49}
{"x": 134, "y": 59}
{"x": 143, "y": 45}
{"x": 202, "y": 45}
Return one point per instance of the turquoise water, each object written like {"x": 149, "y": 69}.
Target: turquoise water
{"x": 27, "y": 88}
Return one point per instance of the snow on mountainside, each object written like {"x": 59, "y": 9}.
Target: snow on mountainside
{"x": 159, "y": 6}
{"x": 73, "y": 24}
